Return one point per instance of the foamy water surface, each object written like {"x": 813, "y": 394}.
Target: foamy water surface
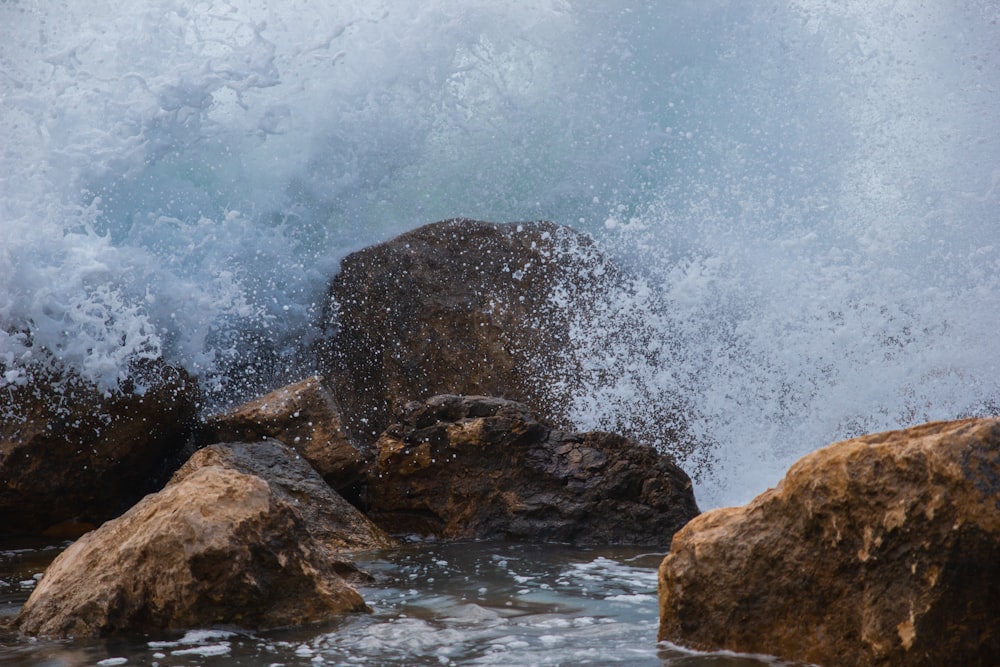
{"x": 435, "y": 604}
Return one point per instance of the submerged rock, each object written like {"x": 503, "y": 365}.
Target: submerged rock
{"x": 476, "y": 467}
{"x": 243, "y": 535}
{"x": 305, "y": 417}
{"x": 882, "y": 550}
{"x": 459, "y": 306}
{"x": 70, "y": 454}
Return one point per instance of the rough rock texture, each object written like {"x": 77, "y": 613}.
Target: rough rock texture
{"x": 883, "y": 550}
{"x": 328, "y": 518}
{"x": 216, "y": 546}
{"x": 69, "y": 454}
{"x": 460, "y": 307}
{"x": 475, "y": 467}
{"x": 305, "y": 417}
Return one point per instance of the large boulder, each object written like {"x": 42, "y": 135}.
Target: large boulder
{"x": 72, "y": 454}
{"x": 474, "y": 467}
{"x": 305, "y": 417}
{"x": 240, "y": 536}
{"x": 882, "y": 550}
{"x": 463, "y": 307}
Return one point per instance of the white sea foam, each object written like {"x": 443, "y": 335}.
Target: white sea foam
{"x": 206, "y": 651}
{"x": 195, "y": 637}
{"x": 807, "y": 189}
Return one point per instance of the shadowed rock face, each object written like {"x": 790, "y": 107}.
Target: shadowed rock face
{"x": 462, "y": 307}
{"x": 514, "y": 310}
{"x": 475, "y": 467}
{"x": 69, "y": 453}
{"x": 244, "y": 534}
{"x": 882, "y": 550}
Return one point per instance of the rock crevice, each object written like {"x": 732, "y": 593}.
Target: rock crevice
{"x": 477, "y": 467}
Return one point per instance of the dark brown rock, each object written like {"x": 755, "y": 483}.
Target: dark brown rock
{"x": 882, "y": 550}
{"x": 327, "y": 517}
{"x": 218, "y": 547}
{"x": 305, "y": 417}
{"x": 70, "y": 453}
{"x": 462, "y": 307}
{"x": 475, "y": 467}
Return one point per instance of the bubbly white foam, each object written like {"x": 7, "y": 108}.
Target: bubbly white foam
{"x": 807, "y": 188}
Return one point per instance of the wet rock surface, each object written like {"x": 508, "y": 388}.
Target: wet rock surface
{"x": 238, "y": 537}
{"x": 459, "y": 306}
{"x": 304, "y": 416}
{"x": 476, "y": 467}
{"x": 328, "y": 517}
{"x": 71, "y": 455}
{"x": 882, "y": 550}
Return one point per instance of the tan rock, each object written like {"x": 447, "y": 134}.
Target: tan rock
{"x": 305, "y": 417}
{"x": 327, "y": 517}
{"x": 882, "y": 550}
{"x": 217, "y": 547}
{"x": 476, "y": 467}
{"x": 70, "y": 454}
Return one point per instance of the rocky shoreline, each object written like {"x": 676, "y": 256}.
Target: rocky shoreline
{"x": 439, "y": 413}
{"x": 435, "y": 417}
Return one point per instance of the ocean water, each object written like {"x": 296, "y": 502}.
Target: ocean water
{"x": 432, "y": 604}
{"x": 807, "y": 191}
